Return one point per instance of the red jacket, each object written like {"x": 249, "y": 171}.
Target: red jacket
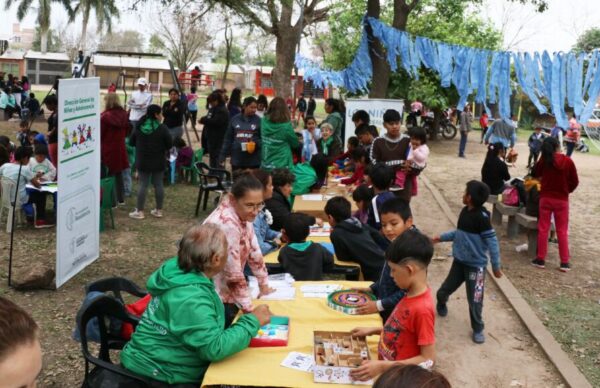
{"x": 357, "y": 177}
{"x": 559, "y": 180}
{"x": 114, "y": 124}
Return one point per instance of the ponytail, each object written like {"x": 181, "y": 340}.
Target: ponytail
{"x": 151, "y": 113}
{"x": 549, "y": 147}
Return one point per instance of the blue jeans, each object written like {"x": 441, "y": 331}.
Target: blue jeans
{"x": 463, "y": 143}
{"x": 127, "y": 182}
{"x": 570, "y": 148}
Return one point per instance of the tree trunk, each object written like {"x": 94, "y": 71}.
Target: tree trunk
{"x": 437, "y": 118}
{"x": 44, "y": 41}
{"x": 84, "y": 27}
{"x": 286, "y": 42}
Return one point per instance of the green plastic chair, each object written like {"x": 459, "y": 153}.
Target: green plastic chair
{"x": 108, "y": 186}
{"x": 196, "y": 157}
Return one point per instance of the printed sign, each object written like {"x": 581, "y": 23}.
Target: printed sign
{"x": 374, "y": 107}
{"x": 78, "y": 211}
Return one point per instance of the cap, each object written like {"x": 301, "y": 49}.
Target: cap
{"x": 142, "y": 81}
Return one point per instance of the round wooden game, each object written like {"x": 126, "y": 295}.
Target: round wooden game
{"x": 348, "y": 301}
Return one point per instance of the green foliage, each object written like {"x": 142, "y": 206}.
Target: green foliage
{"x": 589, "y": 41}
{"x": 266, "y": 59}
{"x": 54, "y": 41}
{"x": 156, "y": 44}
{"x": 127, "y": 40}
{"x": 237, "y": 54}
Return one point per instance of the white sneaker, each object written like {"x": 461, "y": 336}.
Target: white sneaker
{"x": 137, "y": 215}
{"x": 156, "y": 213}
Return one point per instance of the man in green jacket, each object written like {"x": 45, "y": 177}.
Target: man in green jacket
{"x": 182, "y": 330}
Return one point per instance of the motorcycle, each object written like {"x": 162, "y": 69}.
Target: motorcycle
{"x": 446, "y": 128}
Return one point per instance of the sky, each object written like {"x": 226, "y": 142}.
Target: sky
{"x": 556, "y": 29}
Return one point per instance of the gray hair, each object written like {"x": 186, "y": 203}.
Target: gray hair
{"x": 199, "y": 244}
{"x": 327, "y": 125}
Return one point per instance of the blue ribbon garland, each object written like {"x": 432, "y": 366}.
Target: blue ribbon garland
{"x": 558, "y": 77}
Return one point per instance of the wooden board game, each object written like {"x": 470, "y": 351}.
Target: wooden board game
{"x": 336, "y": 354}
{"x": 348, "y": 301}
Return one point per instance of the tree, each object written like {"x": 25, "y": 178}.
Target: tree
{"x": 44, "y": 9}
{"x": 105, "y": 11}
{"x": 125, "y": 41}
{"x": 182, "y": 36}
{"x": 588, "y": 41}
{"x": 52, "y": 38}
{"x": 155, "y": 44}
{"x": 274, "y": 17}
{"x": 236, "y": 54}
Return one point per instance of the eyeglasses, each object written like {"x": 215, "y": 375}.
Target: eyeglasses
{"x": 254, "y": 206}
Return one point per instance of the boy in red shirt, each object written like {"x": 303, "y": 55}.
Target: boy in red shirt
{"x": 408, "y": 336}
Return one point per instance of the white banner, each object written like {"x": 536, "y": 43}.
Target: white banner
{"x": 78, "y": 213}
{"x": 374, "y": 107}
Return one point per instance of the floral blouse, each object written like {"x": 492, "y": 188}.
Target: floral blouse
{"x": 230, "y": 283}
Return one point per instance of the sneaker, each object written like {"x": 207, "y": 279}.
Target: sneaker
{"x": 564, "y": 267}
{"x": 136, "y": 214}
{"x": 478, "y": 337}
{"x": 396, "y": 187}
{"x": 541, "y": 264}
{"x": 553, "y": 240}
{"x": 121, "y": 204}
{"x": 442, "y": 309}
{"x": 462, "y": 156}
{"x": 40, "y": 224}
{"x": 156, "y": 213}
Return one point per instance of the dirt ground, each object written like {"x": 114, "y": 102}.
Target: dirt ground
{"x": 510, "y": 356}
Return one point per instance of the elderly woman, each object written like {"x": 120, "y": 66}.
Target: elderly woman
{"x": 235, "y": 215}
{"x": 114, "y": 126}
{"x": 334, "y": 117}
{"x": 329, "y": 145}
{"x": 182, "y": 330}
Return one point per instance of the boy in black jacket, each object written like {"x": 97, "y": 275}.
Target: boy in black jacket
{"x": 304, "y": 260}
{"x": 352, "y": 240}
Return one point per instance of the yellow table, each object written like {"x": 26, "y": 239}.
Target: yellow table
{"x": 271, "y": 258}
{"x": 317, "y": 208}
{"x": 261, "y": 366}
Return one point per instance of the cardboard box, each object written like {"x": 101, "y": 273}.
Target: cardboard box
{"x": 336, "y": 354}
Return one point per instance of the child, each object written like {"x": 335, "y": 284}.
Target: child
{"x": 353, "y": 241}
{"x": 535, "y": 146}
{"x": 483, "y": 123}
{"x": 310, "y": 135}
{"x": 411, "y": 376}
{"x": 365, "y": 137}
{"x": 27, "y": 197}
{"x": 362, "y": 197}
{"x": 408, "y": 336}
{"x": 31, "y": 108}
{"x": 352, "y": 144}
{"x": 304, "y": 260}
{"x": 393, "y": 148}
{"x": 185, "y": 154}
{"x": 473, "y": 239}
{"x": 396, "y": 218}
{"x": 23, "y": 135}
{"x": 21, "y": 361}
{"x": 381, "y": 177}
{"x": 416, "y": 159}
{"x": 41, "y": 166}
{"x": 359, "y": 157}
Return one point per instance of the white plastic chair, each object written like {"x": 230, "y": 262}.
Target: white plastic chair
{"x": 8, "y": 193}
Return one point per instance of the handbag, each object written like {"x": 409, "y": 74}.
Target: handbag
{"x": 510, "y": 196}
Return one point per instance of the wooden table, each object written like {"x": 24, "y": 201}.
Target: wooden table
{"x": 317, "y": 208}
{"x": 261, "y": 366}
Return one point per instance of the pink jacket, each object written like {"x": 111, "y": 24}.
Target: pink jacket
{"x": 419, "y": 155}
{"x": 231, "y": 284}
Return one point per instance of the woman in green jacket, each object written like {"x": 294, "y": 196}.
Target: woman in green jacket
{"x": 182, "y": 330}
{"x": 334, "y": 117}
{"x": 277, "y": 136}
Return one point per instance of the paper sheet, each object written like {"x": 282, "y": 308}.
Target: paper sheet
{"x": 300, "y": 361}
{"x": 46, "y": 188}
{"x": 320, "y": 231}
{"x": 319, "y": 290}
{"x": 312, "y": 197}
{"x": 282, "y": 283}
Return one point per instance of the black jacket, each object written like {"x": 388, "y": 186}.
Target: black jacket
{"x": 242, "y": 129}
{"x": 353, "y": 241}
{"x": 312, "y": 105}
{"x": 334, "y": 150}
{"x": 280, "y": 208}
{"x": 494, "y": 173}
{"x": 173, "y": 115}
{"x": 307, "y": 265}
{"x": 151, "y": 149}
{"x": 215, "y": 125}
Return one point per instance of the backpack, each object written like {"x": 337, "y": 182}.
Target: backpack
{"x": 510, "y": 196}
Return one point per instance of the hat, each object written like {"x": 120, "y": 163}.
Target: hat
{"x": 142, "y": 81}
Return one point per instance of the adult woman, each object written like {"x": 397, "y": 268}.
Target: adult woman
{"x": 192, "y": 101}
{"x": 573, "y": 135}
{"x": 559, "y": 179}
{"x": 465, "y": 127}
{"x": 261, "y": 105}
{"x": 173, "y": 111}
{"x": 25, "y": 86}
{"x": 279, "y": 205}
{"x": 268, "y": 239}
{"x": 215, "y": 125}
{"x": 278, "y": 136}
{"x": 8, "y": 102}
{"x": 334, "y": 117}
{"x": 235, "y": 103}
{"x": 151, "y": 140}
{"x": 182, "y": 330}
{"x": 328, "y": 144}
{"x": 242, "y": 140}
{"x": 51, "y": 102}
{"x": 114, "y": 125}
{"x": 235, "y": 215}
{"x": 495, "y": 171}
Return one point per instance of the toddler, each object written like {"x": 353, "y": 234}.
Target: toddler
{"x": 41, "y": 166}
{"x": 416, "y": 159}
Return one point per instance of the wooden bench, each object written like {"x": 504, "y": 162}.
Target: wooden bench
{"x": 531, "y": 224}
{"x": 496, "y": 216}
{"x": 510, "y": 211}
